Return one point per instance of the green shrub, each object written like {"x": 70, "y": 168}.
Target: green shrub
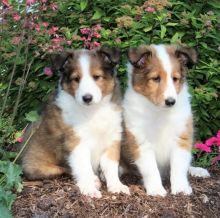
{"x": 123, "y": 24}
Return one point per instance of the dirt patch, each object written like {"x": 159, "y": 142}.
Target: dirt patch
{"x": 61, "y": 198}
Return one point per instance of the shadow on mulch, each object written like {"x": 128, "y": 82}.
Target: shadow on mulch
{"x": 61, "y": 198}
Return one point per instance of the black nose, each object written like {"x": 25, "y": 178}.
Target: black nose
{"x": 170, "y": 102}
{"x": 87, "y": 98}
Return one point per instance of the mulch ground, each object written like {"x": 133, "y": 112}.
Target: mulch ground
{"x": 61, "y": 198}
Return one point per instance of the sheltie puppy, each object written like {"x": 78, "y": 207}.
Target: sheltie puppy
{"x": 157, "y": 117}
{"x": 81, "y": 125}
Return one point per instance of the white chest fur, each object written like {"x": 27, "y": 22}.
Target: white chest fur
{"x": 97, "y": 126}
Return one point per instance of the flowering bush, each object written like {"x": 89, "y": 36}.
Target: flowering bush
{"x": 209, "y": 152}
{"x": 30, "y": 30}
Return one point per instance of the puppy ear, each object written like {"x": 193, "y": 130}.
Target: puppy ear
{"x": 139, "y": 56}
{"x": 186, "y": 56}
{"x": 109, "y": 56}
{"x": 58, "y": 60}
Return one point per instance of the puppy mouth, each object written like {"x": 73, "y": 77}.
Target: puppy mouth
{"x": 87, "y": 104}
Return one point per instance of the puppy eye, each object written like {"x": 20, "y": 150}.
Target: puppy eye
{"x": 75, "y": 78}
{"x": 96, "y": 77}
{"x": 156, "y": 79}
{"x": 175, "y": 79}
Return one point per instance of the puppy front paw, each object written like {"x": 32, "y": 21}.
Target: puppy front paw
{"x": 119, "y": 187}
{"x": 158, "y": 190}
{"x": 181, "y": 188}
{"x": 89, "y": 190}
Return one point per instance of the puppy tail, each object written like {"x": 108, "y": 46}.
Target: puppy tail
{"x": 198, "y": 172}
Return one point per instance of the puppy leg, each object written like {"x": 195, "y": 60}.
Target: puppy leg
{"x": 179, "y": 165}
{"x": 42, "y": 170}
{"x": 198, "y": 172}
{"x": 109, "y": 164}
{"x": 80, "y": 163}
{"x": 147, "y": 166}
{"x": 38, "y": 163}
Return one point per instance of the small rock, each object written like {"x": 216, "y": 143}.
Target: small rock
{"x": 205, "y": 199}
{"x": 113, "y": 197}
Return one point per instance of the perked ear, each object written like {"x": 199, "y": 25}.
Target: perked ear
{"x": 187, "y": 56}
{"x": 60, "y": 59}
{"x": 139, "y": 56}
{"x": 110, "y": 56}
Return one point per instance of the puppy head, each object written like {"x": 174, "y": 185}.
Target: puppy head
{"x": 87, "y": 75}
{"x": 158, "y": 71}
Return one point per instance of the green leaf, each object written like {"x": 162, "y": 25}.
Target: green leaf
{"x": 6, "y": 197}
{"x": 107, "y": 19}
{"x": 32, "y": 116}
{"x": 204, "y": 45}
{"x": 163, "y": 31}
{"x": 19, "y": 60}
{"x": 175, "y": 37}
{"x": 214, "y": 3}
{"x": 38, "y": 66}
{"x": 12, "y": 173}
{"x": 7, "y": 155}
{"x": 98, "y": 14}
{"x": 5, "y": 213}
{"x": 171, "y": 24}
{"x": 83, "y": 4}
{"x": 147, "y": 29}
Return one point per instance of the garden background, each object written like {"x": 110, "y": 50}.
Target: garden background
{"x": 31, "y": 30}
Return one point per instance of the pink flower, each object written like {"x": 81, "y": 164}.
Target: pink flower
{"x": 15, "y": 40}
{"x": 98, "y": 27}
{"x": 89, "y": 38}
{"x": 202, "y": 147}
{"x": 218, "y": 135}
{"x": 30, "y": 2}
{"x": 83, "y": 38}
{"x": 85, "y": 31}
{"x": 37, "y": 27}
{"x": 53, "y": 30}
{"x": 211, "y": 141}
{"x": 16, "y": 17}
{"x": 19, "y": 139}
{"x": 215, "y": 159}
{"x": 68, "y": 42}
{"x": 96, "y": 35}
{"x": 54, "y": 6}
{"x": 150, "y": 9}
{"x": 48, "y": 71}
{"x": 45, "y": 24}
{"x": 96, "y": 44}
{"x": 6, "y": 3}
{"x": 57, "y": 40}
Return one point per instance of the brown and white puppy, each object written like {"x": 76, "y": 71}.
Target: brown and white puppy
{"x": 81, "y": 126}
{"x": 158, "y": 118}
